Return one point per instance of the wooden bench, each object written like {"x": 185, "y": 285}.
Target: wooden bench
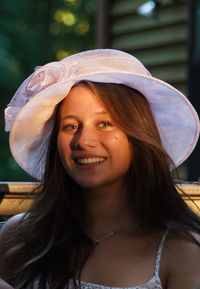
{"x": 16, "y": 197}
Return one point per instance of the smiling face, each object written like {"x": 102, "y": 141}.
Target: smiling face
{"x": 93, "y": 150}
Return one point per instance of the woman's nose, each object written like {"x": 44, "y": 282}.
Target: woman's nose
{"x": 84, "y": 138}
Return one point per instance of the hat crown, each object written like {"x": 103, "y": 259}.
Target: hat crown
{"x": 105, "y": 61}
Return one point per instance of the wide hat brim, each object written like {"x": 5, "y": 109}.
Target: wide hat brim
{"x": 176, "y": 119}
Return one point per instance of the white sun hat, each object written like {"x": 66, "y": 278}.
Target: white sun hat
{"x": 30, "y": 115}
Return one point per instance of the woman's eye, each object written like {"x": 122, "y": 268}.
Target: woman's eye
{"x": 70, "y": 127}
{"x": 105, "y": 124}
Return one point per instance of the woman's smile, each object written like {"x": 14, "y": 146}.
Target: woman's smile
{"x": 93, "y": 150}
{"x": 89, "y": 161}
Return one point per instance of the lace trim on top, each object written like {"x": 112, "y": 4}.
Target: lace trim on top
{"x": 153, "y": 283}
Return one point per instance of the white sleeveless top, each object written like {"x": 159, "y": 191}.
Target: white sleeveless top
{"x": 153, "y": 283}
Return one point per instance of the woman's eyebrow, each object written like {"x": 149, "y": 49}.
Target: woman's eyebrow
{"x": 68, "y": 116}
{"x": 102, "y": 112}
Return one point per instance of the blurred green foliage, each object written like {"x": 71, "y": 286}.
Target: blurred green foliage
{"x": 33, "y": 33}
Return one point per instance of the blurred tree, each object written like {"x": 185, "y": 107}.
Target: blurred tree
{"x": 33, "y": 33}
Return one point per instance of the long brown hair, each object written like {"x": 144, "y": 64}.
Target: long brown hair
{"x": 51, "y": 244}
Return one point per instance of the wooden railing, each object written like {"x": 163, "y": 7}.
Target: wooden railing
{"x": 193, "y": 192}
{"x": 16, "y": 197}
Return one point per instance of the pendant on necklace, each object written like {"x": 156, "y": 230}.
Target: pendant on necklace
{"x": 96, "y": 243}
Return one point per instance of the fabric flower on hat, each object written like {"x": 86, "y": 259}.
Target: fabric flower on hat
{"x": 43, "y": 77}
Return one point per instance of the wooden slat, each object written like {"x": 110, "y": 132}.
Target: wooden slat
{"x": 17, "y": 187}
{"x": 133, "y": 23}
{"x": 12, "y": 196}
{"x": 169, "y": 73}
{"x": 162, "y": 55}
{"x": 119, "y": 8}
{"x": 16, "y": 205}
{"x": 126, "y": 7}
{"x": 152, "y": 39}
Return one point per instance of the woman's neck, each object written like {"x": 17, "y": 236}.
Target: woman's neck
{"x": 106, "y": 211}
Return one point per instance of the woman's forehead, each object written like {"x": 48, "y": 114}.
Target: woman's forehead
{"x": 82, "y": 99}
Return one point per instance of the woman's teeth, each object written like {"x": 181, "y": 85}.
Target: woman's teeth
{"x": 90, "y": 160}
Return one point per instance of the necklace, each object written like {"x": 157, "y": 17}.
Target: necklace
{"x": 97, "y": 241}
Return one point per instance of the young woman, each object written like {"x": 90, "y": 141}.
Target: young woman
{"x": 103, "y": 136}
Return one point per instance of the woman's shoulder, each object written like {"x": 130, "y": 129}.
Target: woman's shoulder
{"x": 10, "y": 225}
{"x": 182, "y": 256}
{"x": 182, "y": 243}
{"x": 6, "y": 241}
